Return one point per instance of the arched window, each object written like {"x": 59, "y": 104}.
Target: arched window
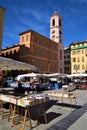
{"x": 53, "y": 22}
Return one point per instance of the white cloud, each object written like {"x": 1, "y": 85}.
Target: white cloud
{"x": 31, "y": 20}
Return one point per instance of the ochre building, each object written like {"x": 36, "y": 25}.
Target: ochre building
{"x": 36, "y": 49}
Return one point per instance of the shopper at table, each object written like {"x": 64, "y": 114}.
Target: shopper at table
{"x": 20, "y": 89}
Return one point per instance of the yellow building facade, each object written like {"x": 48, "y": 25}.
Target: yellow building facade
{"x": 79, "y": 57}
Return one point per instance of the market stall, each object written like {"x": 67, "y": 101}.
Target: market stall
{"x": 23, "y": 103}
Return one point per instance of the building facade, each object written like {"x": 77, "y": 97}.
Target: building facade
{"x": 67, "y": 61}
{"x": 37, "y": 50}
{"x": 79, "y": 57}
{"x": 2, "y": 11}
{"x": 11, "y": 52}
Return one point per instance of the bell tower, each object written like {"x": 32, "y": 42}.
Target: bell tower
{"x": 56, "y": 27}
{"x": 56, "y": 36}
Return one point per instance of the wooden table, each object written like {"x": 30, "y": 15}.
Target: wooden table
{"x": 17, "y": 104}
{"x": 69, "y": 96}
{"x": 11, "y": 100}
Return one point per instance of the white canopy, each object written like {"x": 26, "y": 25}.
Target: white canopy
{"x": 77, "y": 75}
{"x": 30, "y": 75}
{"x": 57, "y": 75}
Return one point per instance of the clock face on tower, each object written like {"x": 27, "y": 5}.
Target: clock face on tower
{"x": 53, "y": 31}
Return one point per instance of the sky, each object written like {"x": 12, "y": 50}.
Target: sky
{"x": 23, "y": 15}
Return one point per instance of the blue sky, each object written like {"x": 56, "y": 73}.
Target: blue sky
{"x": 22, "y": 15}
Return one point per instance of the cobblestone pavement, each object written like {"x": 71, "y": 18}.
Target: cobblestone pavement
{"x": 58, "y": 114}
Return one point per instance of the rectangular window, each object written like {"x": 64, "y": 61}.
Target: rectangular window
{"x": 46, "y": 44}
{"x": 60, "y": 23}
{"x": 26, "y": 37}
{"x": 35, "y": 63}
{"x": 64, "y": 57}
{"x": 76, "y": 67}
{"x": 42, "y": 42}
{"x": 68, "y": 56}
{"x": 46, "y": 54}
{"x": 86, "y": 67}
{"x": 22, "y": 39}
{"x": 54, "y": 56}
{"x": 82, "y": 59}
{"x": 74, "y": 59}
{"x": 60, "y": 54}
{"x": 82, "y": 51}
{"x": 83, "y": 67}
{"x": 46, "y": 65}
{"x": 35, "y": 51}
{"x": 36, "y": 40}
{"x": 53, "y": 22}
{"x": 78, "y": 59}
{"x": 41, "y": 65}
{"x": 78, "y": 52}
{"x": 73, "y": 52}
{"x": 32, "y": 39}
{"x": 86, "y": 52}
{"x": 40, "y": 53}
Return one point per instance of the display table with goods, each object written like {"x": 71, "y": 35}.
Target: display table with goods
{"x": 69, "y": 87}
{"x": 63, "y": 96}
{"x": 19, "y": 106}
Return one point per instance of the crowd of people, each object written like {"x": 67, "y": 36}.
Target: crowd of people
{"x": 21, "y": 89}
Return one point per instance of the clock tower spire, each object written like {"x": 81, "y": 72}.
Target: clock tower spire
{"x": 56, "y": 27}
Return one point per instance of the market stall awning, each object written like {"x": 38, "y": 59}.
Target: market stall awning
{"x": 57, "y": 75}
{"x": 78, "y": 75}
{"x": 10, "y": 64}
{"x": 31, "y": 75}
